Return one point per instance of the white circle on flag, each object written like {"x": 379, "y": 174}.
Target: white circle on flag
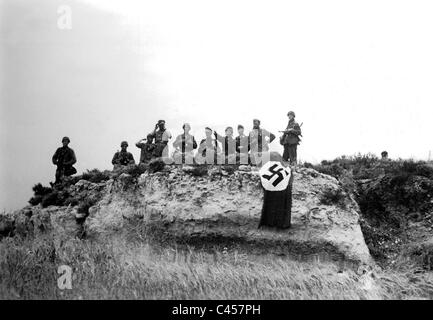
{"x": 274, "y": 176}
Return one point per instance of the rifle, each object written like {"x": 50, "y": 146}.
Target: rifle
{"x": 287, "y": 131}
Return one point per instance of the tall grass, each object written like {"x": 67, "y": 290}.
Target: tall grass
{"x": 126, "y": 270}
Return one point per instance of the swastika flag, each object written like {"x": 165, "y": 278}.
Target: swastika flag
{"x": 274, "y": 176}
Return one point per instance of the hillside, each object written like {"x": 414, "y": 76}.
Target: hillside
{"x": 207, "y": 217}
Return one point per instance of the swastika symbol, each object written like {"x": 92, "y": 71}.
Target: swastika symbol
{"x": 275, "y": 173}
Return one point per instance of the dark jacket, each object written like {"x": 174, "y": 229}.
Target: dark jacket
{"x": 146, "y": 151}
{"x": 64, "y": 157}
{"x": 292, "y": 137}
{"x": 123, "y": 158}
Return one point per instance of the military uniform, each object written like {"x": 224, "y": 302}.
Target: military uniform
{"x": 122, "y": 158}
{"x": 160, "y": 138}
{"x": 290, "y": 141}
{"x": 64, "y": 158}
{"x": 184, "y": 145}
{"x": 146, "y": 151}
{"x": 228, "y": 144}
{"x": 257, "y": 140}
{"x": 208, "y": 152}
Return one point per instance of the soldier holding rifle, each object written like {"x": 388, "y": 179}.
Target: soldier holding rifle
{"x": 290, "y": 139}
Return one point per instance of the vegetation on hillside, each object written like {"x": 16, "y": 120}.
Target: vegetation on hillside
{"x": 392, "y": 195}
{"x": 132, "y": 270}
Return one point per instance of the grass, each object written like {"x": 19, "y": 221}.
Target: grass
{"x": 133, "y": 270}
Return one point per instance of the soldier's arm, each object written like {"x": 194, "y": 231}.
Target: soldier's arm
{"x": 178, "y": 142}
{"x": 73, "y": 159}
{"x": 194, "y": 143}
{"x": 115, "y": 158}
{"x": 297, "y": 130}
{"x": 202, "y": 146}
{"x": 140, "y": 144}
{"x": 55, "y": 158}
{"x": 131, "y": 159}
{"x": 220, "y": 138}
{"x": 151, "y": 136}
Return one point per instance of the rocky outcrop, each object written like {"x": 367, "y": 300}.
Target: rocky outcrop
{"x": 217, "y": 205}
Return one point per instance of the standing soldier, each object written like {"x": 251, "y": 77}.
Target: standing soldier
{"x": 257, "y": 138}
{"x": 208, "y": 151}
{"x": 184, "y": 146}
{"x": 242, "y": 146}
{"x": 228, "y": 145}
{"x": 290, "y": 139}
{"x": 147, "y": 148}
{"x": 160, "y": 137}
{"x": 123, "y": 157}
{"x": 64, "y": 158}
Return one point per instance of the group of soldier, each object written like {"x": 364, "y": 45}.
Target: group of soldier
{"x": 213, "y": 149}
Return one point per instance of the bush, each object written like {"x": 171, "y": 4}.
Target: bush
{"x": 96, "y": 176}
{"x": 156, "y": 165}
{"x": 332, "y": 196}
{"x": 136, "y": 170}
{"x": 199, "y": 171}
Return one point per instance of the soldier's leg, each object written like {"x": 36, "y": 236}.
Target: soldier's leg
{"x": 286, "y": 152}
{"x": 292, "y": 153}
{"x": 58, "y": 176}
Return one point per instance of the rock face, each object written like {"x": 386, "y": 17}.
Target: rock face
{"x": 197, "y": 205}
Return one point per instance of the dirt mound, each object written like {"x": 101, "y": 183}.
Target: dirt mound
{"x": 197, "y": 205}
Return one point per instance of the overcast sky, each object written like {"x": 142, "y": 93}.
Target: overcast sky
{"x": 358, "y": 74}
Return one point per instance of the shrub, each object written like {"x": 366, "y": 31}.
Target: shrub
{"x": 332, "y": 196}
{"x": 156, "y": 165}
{"x": 199, "y": 171}
{"x": 136, "y": 170}
{"x": 96, "y": 176}
{"x": 39, "y": 193}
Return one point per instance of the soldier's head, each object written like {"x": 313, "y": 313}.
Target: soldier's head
{"x": 149, "y": 138}
{"x": 291, "y": 115}
{"x": 384, "y": 155}
{"x": 161, "y": 124}
{"x": 240, "y": 129}
{"x": 256, "y": 123}
{"x": 186, "y": 127}
{"x": 208, "y": 132}
{"x": 124, "y": 145}
{"x": 65, "y": 141}
{"x": 229, "y": 131}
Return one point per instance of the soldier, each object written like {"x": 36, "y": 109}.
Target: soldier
{"x": 184, "y": 146}
{"x": 64, "y": 158}
{"x": 147, "y": 149}
{"x": 290, "y": 139}
{"x": 123, "y": 157}
{"x": 208, "y": 150}
{"x": 160, "y": 137}
{"x": 257, "y": 138}
{"x": 228, "y": 145}
{"x": 242, "y": 146}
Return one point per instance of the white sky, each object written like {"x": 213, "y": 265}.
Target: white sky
{"x": 358, "y": 74}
